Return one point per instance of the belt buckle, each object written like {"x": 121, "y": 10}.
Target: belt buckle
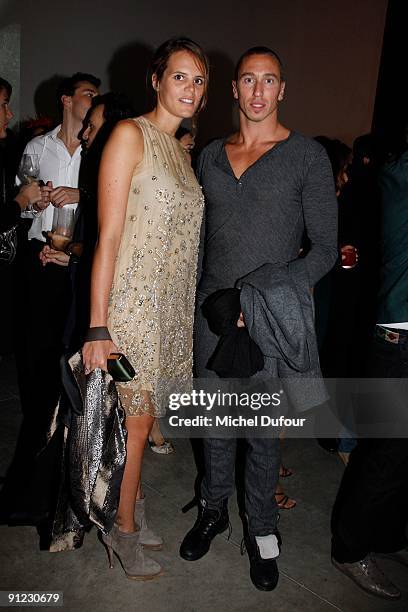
{"x": 392, "y": 336}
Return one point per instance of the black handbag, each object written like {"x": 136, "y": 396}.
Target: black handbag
{"x": 8, "y": 238}
{"x": 8, "y": 245}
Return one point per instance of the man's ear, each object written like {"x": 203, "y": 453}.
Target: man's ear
{"x": 66, "y": 101}
{"x": 282, "y": 91}
{"x": 155, "y": 82}
{"x": 234, "y": 90}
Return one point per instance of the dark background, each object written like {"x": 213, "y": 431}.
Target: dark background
{"x": 390, "y": 116}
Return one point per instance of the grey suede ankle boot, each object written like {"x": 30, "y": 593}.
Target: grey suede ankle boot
{"x": 127, "y": 548}
{"x": 147, "y": 538}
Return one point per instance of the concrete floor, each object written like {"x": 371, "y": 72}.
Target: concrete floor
{"x": 220, "y": 581}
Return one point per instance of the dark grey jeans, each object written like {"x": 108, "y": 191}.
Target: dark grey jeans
{"x": 261, "y": 477}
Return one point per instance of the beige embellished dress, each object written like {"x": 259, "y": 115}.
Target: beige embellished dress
{"x": 151, "y": 303}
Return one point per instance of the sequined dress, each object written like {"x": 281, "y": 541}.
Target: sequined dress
{"x": 151, "y": 303}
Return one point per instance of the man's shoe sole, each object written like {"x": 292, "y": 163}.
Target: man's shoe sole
{"x": 197, "y": 557}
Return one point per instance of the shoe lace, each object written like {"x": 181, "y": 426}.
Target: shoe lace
{"x": 207, "y": 522}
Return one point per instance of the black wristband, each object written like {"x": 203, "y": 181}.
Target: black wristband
{"x": 97, "y": 333}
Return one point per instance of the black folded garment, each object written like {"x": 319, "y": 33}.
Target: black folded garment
{"x": 236, "y": 354}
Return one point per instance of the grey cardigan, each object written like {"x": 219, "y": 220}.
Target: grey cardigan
{"x": 278, "y": 309}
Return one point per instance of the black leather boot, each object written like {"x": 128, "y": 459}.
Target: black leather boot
{"x": 209, "y": 523}
{"x": 264, "y": 572}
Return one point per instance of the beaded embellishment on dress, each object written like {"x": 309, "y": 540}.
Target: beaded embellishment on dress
{"x": 152, "y": 297}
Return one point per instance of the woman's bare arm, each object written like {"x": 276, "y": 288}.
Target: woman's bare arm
{"x": 122, "y": 153}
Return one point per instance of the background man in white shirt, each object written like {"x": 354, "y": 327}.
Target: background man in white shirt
{"x": 44, "y": 290}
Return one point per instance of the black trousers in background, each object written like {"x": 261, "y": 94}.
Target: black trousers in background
{"x": 41, "y": 308}
{"x": 370, "y": 513}
{"x": 44, "y": 295}
{"x": 261, "y": 477}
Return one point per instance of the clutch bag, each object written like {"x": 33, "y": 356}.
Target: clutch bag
{"x": 120, "y": 368}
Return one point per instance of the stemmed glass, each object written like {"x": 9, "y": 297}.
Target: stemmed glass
{"x": 29, "y": 168}
{"x": 28, "y": 173}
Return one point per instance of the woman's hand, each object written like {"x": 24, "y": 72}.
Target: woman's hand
{"x": 28, "y": 194}
{"x": 49, "y": 255}
{"x": 95, "y": 354}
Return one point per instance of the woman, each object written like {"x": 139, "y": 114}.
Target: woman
{"x": 143, "y": 277}
{"x": 12, "y": 203}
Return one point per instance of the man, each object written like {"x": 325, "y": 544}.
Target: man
{"x": 370, "y": 514}
{"x": 264, "y": 186}
{"x": 44, "y": 290}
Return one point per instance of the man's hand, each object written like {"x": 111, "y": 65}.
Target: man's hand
{"x": 45, "y": 201}
{"x": 61, "y": 196}
{"x": 241, "y": 322}
{"x": 49, "y": 255}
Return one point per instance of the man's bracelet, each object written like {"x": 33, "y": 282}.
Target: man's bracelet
{"x": 97, "y": 333}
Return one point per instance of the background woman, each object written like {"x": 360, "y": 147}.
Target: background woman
{"x": 12, "y": 203}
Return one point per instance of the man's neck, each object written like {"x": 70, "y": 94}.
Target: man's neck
{"x": 68, "y": 133}
{"x": 254, "y": 133}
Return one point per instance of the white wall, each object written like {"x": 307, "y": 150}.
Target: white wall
{"x": 10, "y": 64}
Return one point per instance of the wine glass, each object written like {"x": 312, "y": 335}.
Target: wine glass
{"x": 62, "y": 228}
{"x": 29, "y": 168}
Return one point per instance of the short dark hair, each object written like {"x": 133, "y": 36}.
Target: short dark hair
{"x": 116, "y": 106}
{"x": 161, "y": 58}
{"x": 364, "y": 146}
{"x": 6, "y": 85}
{"x": 68, "y": 86}
{"x": 258, "y": 51}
